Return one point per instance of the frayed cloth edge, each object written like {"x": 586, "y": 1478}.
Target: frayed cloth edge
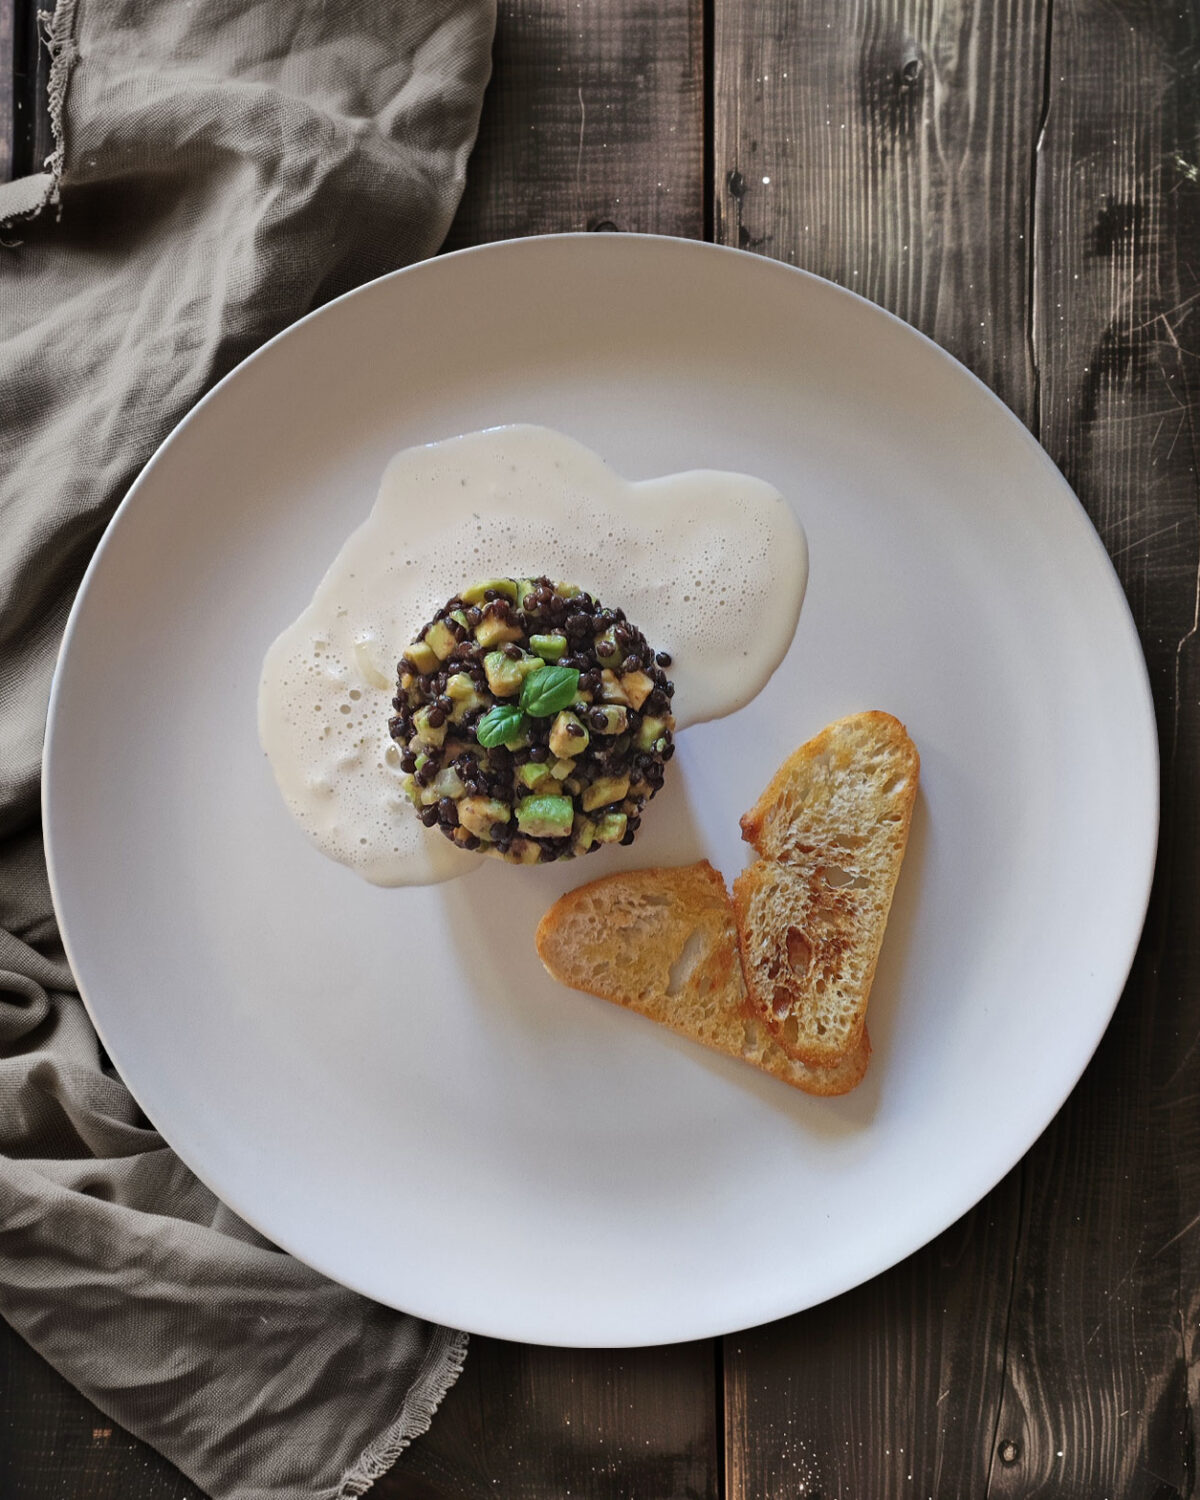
{"x": 57, "y": 31}
{"x": 443, "y": 1365}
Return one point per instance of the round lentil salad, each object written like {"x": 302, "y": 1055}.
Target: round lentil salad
{"x": 533, "y": 723}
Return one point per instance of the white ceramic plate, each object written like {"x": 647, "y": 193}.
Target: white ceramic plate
{"x": 385, "y": 1082}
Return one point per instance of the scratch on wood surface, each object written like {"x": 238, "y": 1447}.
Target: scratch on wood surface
{"x": 579, "y": 161}
{"x": 1144, "y": 541}
{"x": 1175, "y": 1238}
{"x": 1032, "y": 330}
{"x": 1018, "y": 1245}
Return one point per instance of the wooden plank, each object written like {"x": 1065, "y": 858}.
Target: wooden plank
{"x": 27, "y": 75}
{"x": 1067, "y": 1326}
{"x": 593, "y": 120}
{"x": 886, "y": 145}
{"x": 539, "y": 1424}
{"x": 890, "y": 1390}
{"x": 7, "y": 92}
{"x": 1108, "y": 1287}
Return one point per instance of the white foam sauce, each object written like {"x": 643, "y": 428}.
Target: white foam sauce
{"x": 710, "y": 566}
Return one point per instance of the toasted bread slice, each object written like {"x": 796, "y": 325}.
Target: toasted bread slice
{"x": 831, "y": 828}
{"x": 663, "y": 943}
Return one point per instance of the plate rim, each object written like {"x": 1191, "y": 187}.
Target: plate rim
{"x": 1148, "y": 820}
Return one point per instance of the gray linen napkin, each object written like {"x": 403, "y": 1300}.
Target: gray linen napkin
{"x": 222, "y": 167}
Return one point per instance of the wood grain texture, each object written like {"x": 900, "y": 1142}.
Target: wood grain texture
{"x": 886, "y": 145}
{"x": 593, "y": 120}
{"x": 1101, "y": 1378}
{"x": 26, "y": 138}
{"x": 889, "y": 1390}
{"x": 530, "y": 1423}
{"x": 7, "y": 89}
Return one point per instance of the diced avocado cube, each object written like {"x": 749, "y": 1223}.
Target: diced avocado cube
{"x": 637, "y": 686}
{"x": 616, "y": 719}
{"x": 545, "y": 817}
{"x": 478, "y": 815}
{"x": 411, "y": 790}
{"x": 583, "y": 834}
{"x": 466, "y": 706}
{"x": 505, "y": 586}
{"x": 604, "y": 791}
{"x": 548, "y": 647}
{"x": 423, "y": 657}
{"x": 610, "y": 829}
{"x": 611, "y": 690}
{"x": 422, "y": 758}
{"x": 447, "y": 783}
{"x": 524, "y": 852}
{"x": 504, "y": 677}
{"x": 466, "y": 698}
{"x": 529, "y": 664}
{"x": 427, "y": 733}
{"x": 567, "y": 735}
{"x": 568, "y": 590}
{"x": 441, "y": 638}
{"x": 460, "y": 616}
{"x": 533, "y": 773}
{"x": 494, "y": 631}
{"x": 649, "y": 730}
{"x": 561, "y": 769}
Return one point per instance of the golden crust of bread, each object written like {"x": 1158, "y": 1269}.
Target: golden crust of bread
{"x": 831, "y": 827}
{"x": 663, "y": 943}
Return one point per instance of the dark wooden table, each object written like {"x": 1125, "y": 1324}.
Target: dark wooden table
{"x": 1020, "y": 179}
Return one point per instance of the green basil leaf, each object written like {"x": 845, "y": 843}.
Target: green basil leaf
{"x": 544, "y": 693}
{"x": 499, "y": 725}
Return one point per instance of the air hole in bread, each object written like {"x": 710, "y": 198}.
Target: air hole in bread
{"x": 656, "y": 898}
{"x": 822, "y": 925}
{"x": 799, "y": 952}
{"x": 847, "y": 841}
{"x": 781, "y": 1002}
{"x": 689, "y": 957}
{"x": 835, "y": 876}
{"x": 791, "y": 1032}
{"x": 894, "y": 784}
